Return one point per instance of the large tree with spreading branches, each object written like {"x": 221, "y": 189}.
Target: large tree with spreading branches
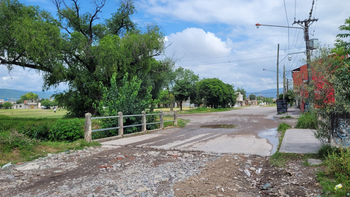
{"x": 78, "y": 48}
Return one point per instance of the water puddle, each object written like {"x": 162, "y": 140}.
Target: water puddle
{"x": 271, "y": 136}
{"x": 219, "y": 126}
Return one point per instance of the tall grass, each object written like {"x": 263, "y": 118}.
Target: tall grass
{"x": 307, "y": 120}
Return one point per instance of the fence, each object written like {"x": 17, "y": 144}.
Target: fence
{"x": 88, "y": 118}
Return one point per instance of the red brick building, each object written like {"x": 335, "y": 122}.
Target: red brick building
{"x": 300, "y": 81}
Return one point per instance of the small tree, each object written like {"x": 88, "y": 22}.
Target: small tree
{"x": 252, "y": 97}
{"x": 122, "y": 99}
{"x": 7, "y": 105}
{"x": 185, "y": 82}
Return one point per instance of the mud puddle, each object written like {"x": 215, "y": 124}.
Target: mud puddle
{"x": 219, "y": 126}
{"x": 271, "y": 136}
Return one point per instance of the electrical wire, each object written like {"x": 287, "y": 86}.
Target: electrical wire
{"x": 230, "y": 61}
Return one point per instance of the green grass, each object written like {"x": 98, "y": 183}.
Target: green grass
{"x": 282, "y": 128}
{"x": 33, "y": 113}
{"x": 337, "y": 171}
{"x": 175, "y": 109}
{"x": 280, "y": 159}
{"x": 182, "y": 122}
{"x": 41, "y": 149}
{"x": 285, "y": 117}
{"x": 206, "y": 110}
{"x": 307, "y": 120}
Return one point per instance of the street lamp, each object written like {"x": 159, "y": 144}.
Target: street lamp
{"x": 258, "y": 25}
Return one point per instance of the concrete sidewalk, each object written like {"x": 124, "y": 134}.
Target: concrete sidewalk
{"x": 300, "y": 141}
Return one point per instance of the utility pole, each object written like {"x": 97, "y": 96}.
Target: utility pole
{"x": 305, "y": 25}
{"x": 278, "y": 55}
{"x": 284, "y": 81}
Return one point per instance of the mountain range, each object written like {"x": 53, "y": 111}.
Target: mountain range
{"x": 266, "y": 93}
{"x": 14, "y": 95}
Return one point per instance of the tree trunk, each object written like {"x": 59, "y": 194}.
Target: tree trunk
{"x": 180, "y": 106}
{"x": 171, "y": 101}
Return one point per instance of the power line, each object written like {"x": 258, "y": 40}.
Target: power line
{"x": 231, "y": 61}
{"x": 285, "y": 10}
{"x": 221, "y": 57}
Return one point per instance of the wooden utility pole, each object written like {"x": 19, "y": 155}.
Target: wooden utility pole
{"x": 305, "y": 25}
{"x": 278, "y": 55}
{"x": 284, "y": 81}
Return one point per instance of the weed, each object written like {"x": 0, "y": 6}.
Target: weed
{"x": 337, "y": 171}
{"x": 307, "y": 120}
{"x": 182, "y": 122}
{"x": 285, "y": 117}
{"x": 13, "y": 139}
{"x": 280, "y": 159}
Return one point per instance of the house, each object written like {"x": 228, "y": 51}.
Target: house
{"x": 28, "y": 104}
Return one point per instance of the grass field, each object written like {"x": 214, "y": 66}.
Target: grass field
{"x": 175, "y": 109}
{"x": 33, "y": 113}
{"x": 206, "y": 110}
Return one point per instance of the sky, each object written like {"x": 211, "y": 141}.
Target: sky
{"x": 219, "y": 39}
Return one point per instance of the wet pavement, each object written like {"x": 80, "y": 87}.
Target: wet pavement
{"x": 253, "y": 132}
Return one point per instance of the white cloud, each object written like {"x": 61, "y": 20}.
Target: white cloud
{"x": 234, "y": 21}
{"x": 23, "y": 79}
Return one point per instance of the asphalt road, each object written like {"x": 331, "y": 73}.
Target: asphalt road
{"x": 255, "y": 133}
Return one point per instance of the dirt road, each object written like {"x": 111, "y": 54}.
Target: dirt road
{"x": 254, "y": 132}
{"x": 127, "y": 170}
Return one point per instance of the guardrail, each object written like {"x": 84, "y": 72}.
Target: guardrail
{"x": 88, "y": 118}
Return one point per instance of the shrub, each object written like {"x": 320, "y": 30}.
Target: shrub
{"x": 13, "y": 139}
{"x": 307, "y": 120}
{"x": 67, "y": 130}
{"x": 337, "y": 172}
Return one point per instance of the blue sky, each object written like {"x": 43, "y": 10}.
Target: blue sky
{"x": 219, "y": 38}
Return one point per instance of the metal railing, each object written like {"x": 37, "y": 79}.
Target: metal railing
{"x": 88, "y": 118}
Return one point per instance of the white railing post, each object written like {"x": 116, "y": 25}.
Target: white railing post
{"x": 88, "y": 136}
{"x": 175, "y": 118}
{"x": 161, "y": 126}
{"x": 120, "y": 124}
{"x": 144, "y": 128}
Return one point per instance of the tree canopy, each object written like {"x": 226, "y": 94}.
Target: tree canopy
{"x": 252, "y": 96}
{"x": 78, "y": 49}
{"x": 214, "y": 92}
{"x": 185, "y": 83}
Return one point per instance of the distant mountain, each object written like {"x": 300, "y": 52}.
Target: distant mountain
{"x": 267, "y": 93}
{"x": 16, "y": 94}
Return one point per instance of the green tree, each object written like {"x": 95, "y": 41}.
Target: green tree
{"x": 123, "y": 98}
{"x": 252, "y": 97}
{"x": 77, "y": 48}
{"x": 289, "y": 96}
{"x": 184, "y": 84}
{"x": 7, "y": 105}
{"x": 215, "y": 92}
{"x": 27, "y": 96}
{"x": 1, "y": 106}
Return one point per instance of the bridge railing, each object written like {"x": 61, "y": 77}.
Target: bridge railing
{"x": 88, "y": 118}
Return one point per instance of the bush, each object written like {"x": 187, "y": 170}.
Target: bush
{"x": 307, "y": 120}
{"x": 13, "y": 139}
{"x": 337, "y": 172}
{"x": 7, "y": 105}
{"x": 67, "y": 130}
